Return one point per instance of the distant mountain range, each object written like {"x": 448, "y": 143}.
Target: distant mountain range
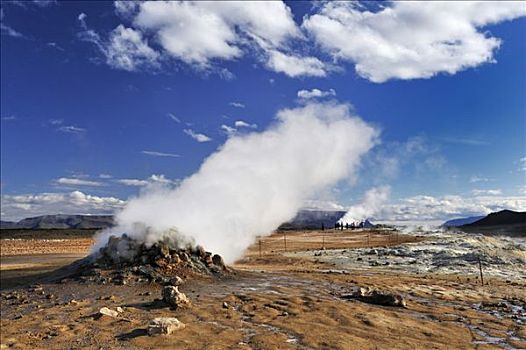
{"x": 61, "y": 222}
{"x": 502, "y": 221}
{"x": 305, "y": 219}
{"x": 462, "y": 221}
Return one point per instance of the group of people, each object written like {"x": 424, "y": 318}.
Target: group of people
{"x": 346, "y": 226}
{"x": 352, "y": 226}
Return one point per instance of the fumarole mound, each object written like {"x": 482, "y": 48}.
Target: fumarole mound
{"x": 126, "y": 261}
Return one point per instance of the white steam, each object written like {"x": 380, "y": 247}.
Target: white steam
{"x": 372, "y": 204}
{"x": 254, "y": 182}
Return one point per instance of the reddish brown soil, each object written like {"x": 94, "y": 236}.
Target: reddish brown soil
{"x": 274, "y": 302}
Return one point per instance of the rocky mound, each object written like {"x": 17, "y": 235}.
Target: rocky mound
{"x": 126, "y": 261}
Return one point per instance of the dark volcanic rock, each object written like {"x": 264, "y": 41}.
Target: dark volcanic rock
{"x": 218, "y": 260}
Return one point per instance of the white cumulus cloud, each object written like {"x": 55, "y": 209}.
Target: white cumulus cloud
{"x": 128, "y": 50}
{"x": 294, "y": 65}
{"x": 125, "y": 48}
{"x": 315, "y": 93}
{"x": 410, "y": 39}
{"x": 203, "y": 33}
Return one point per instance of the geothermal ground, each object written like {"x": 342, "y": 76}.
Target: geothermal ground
{"x": 298, "y": 297}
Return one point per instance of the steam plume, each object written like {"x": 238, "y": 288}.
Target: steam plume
{"x": 371, "y": 205}
{"x": 254, "y": 182}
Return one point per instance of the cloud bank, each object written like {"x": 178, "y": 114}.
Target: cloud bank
{"x": 438, "y": 209}
{"x": 315, "y": 93}
{"x": 16, "y": 207}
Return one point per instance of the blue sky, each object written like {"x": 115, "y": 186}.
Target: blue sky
{"x": 93, "y": 112}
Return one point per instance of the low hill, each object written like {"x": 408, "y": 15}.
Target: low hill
{"x": 61, "y": 222}
{"x": 503, "y": 217}
{"x": 462, "y": 221}
{"x": 505, "y": 222}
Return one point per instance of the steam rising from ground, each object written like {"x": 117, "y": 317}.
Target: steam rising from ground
{"x": 372, "y": 204}
{"x": 254, "y": 182}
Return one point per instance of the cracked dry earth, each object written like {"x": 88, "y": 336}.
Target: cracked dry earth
{"x": 272, "y": 301}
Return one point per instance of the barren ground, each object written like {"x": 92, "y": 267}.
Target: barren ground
{"x": 272, "y": 302}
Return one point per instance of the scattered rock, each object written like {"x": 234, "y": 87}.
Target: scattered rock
{"x": 164, "y": 325}
{"x": 173, "y": 297}
{"x": 225, "y": 305}
{"x": 200, "y": 251}
{"x": 218, "y": 260}
{"x": 176, "y": 281}
{"x": 12, "y": 296}
{"x": 494, "y": 304}
{"x": 372, "y": 296}
{"x": 9, "y": 342}
{"x": 108, "y": 312}
{"x": 119, "y": 309}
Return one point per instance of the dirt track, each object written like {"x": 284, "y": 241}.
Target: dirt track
{"x": 274, "y": 301}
